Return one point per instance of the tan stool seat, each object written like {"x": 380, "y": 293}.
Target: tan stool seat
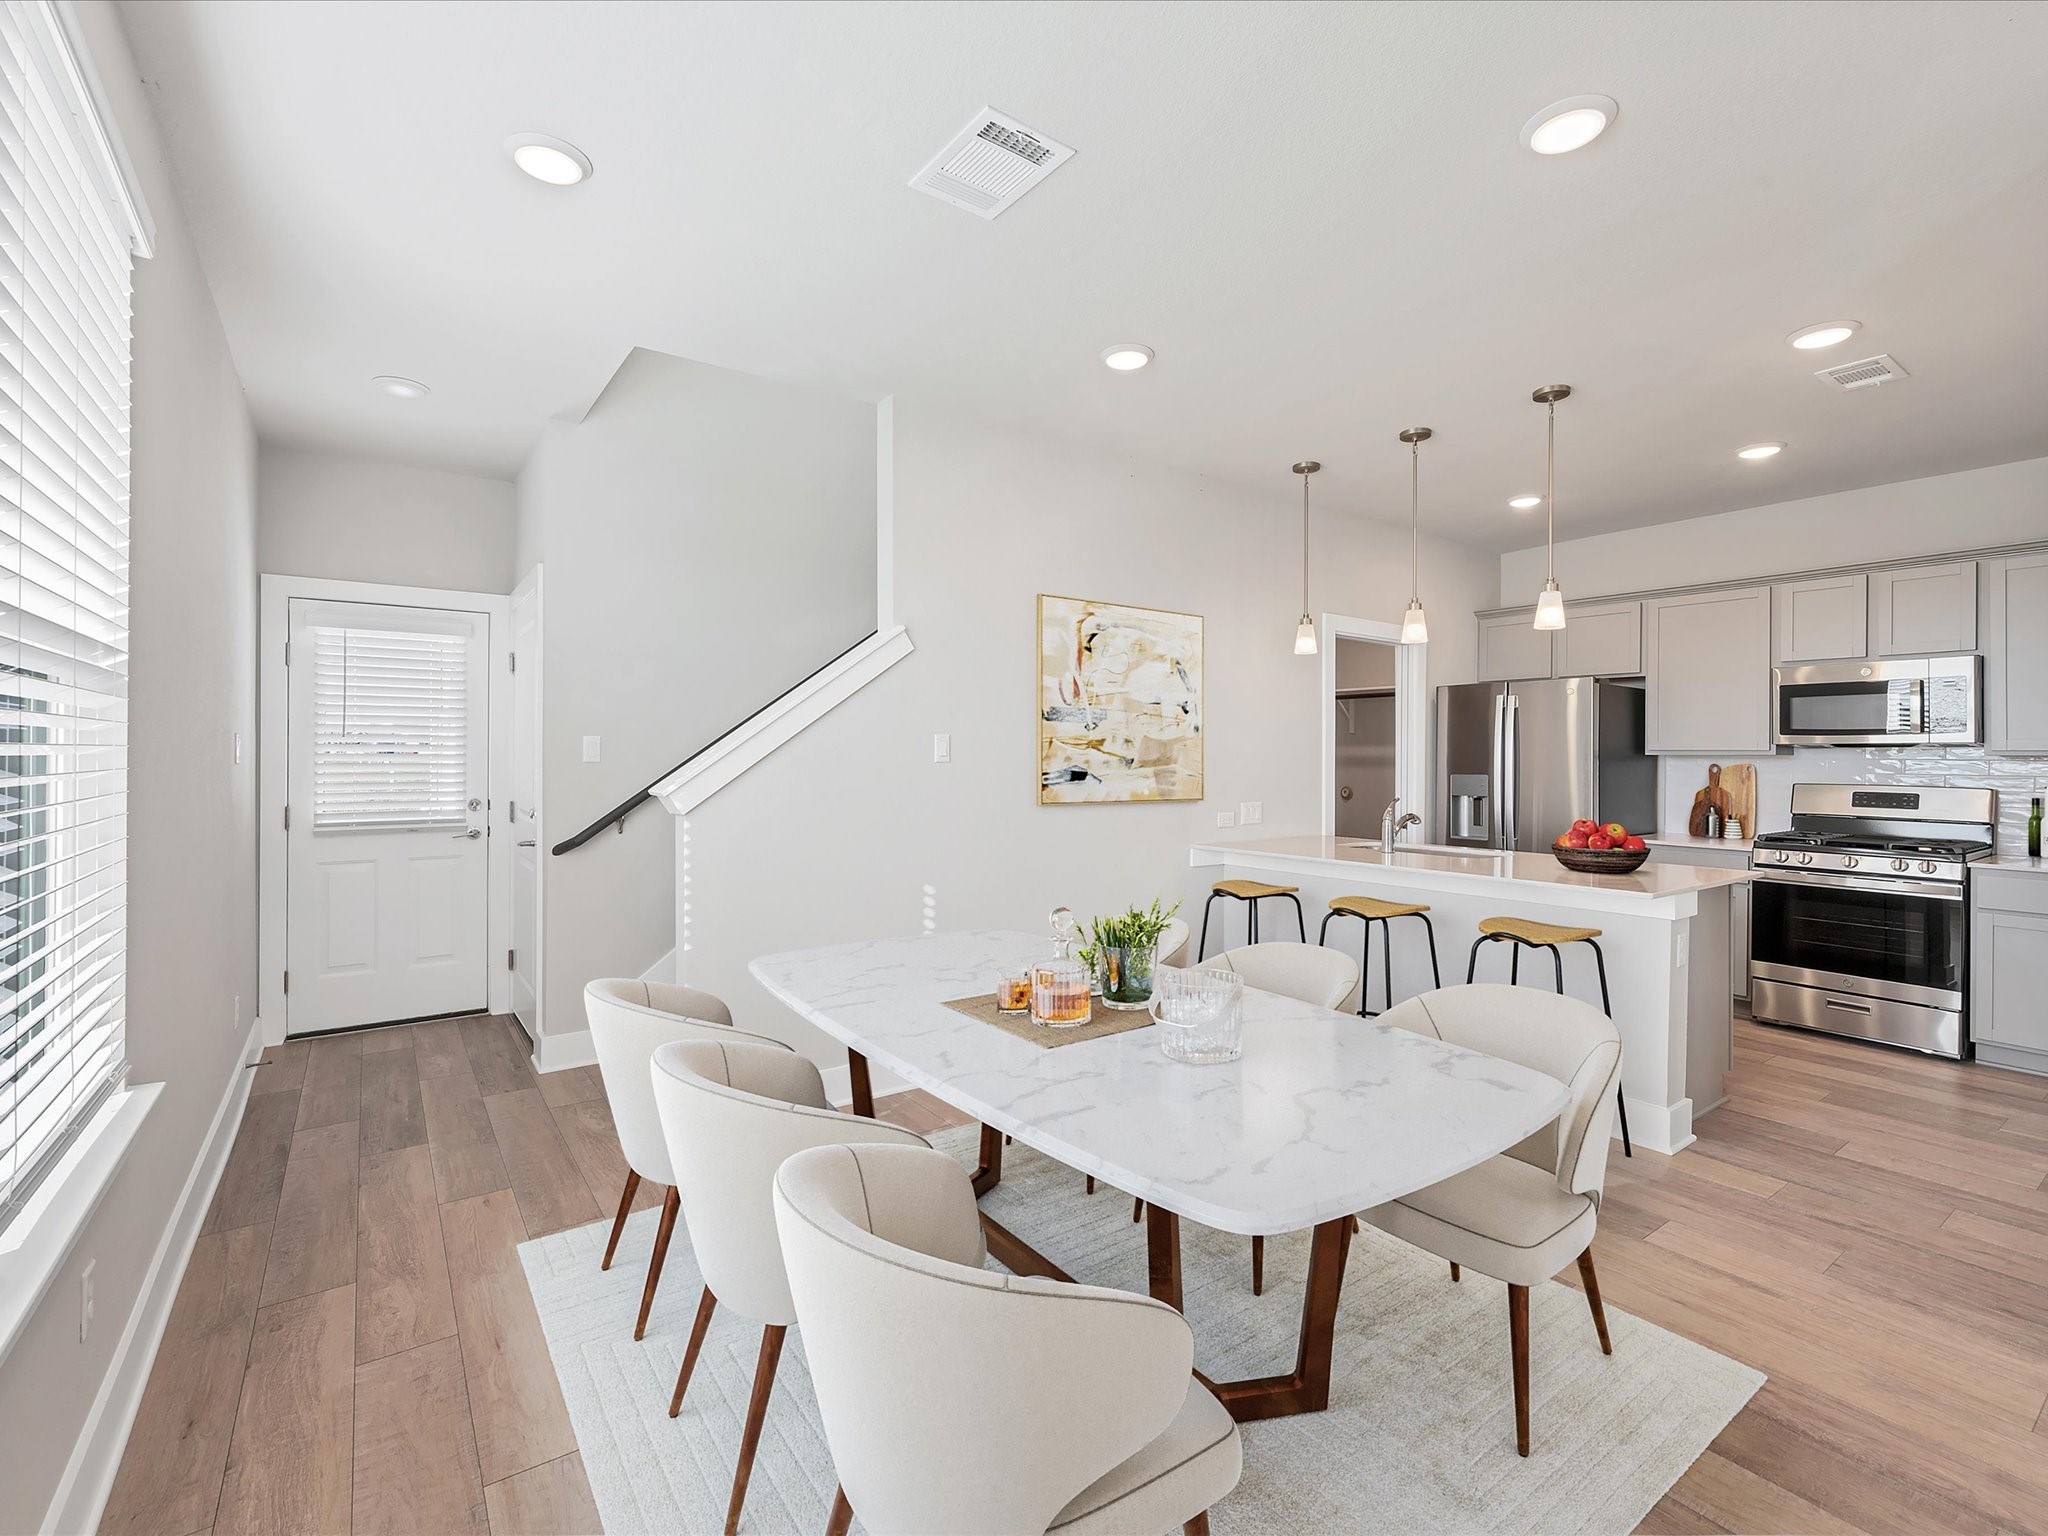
{"x": 1372, "y": 906}
{"x": 1251, "y": 890}
{"x": 1534, "y": 933}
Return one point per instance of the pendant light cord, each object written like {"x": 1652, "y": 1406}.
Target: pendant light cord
{"x": 1550, "y": 495}
{"x": 1304, "y": 546}
{"x": 1415, "y": 525}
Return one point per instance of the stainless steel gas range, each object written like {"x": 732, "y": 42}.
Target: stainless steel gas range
{"x": 1859, "y": 915}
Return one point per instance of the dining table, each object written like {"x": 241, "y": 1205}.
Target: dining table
{"x": 1324, "y": 1115}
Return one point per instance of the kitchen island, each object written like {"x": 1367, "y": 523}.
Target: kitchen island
{"x": 1674, "y": 1015}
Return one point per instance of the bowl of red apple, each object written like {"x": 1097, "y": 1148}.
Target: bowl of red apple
{"x": 1592, "y": 848}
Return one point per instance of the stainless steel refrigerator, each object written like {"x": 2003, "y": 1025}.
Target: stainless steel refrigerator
{"x": 1518, "y": 763}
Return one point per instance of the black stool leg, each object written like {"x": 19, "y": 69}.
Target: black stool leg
{"x": 1202, "y": 949}
{"x": 1557, "y": 960}
{"x": 1607, "y": 1006}
{"x": 1323, "y": 933}
{"x": 1600, "y": 960}
{"x": 1472, "y": 962}
{"x": 1252, "y": 921}
{"x": 1436, "y": 976}
{"x": 1300, "y": 927}
{"x": 1365, "y": 971}
{"x": 1515, "y": 962}
{"x": 1387, "y": 960}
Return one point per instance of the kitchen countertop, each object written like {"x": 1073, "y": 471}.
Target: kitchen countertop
{"x": 1687, "y": 840}
{"x": 2014, "y": 864}
{"x": 1538, "y": 876}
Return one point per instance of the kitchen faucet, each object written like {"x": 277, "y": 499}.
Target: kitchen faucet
{"x": 1390, "y": 828}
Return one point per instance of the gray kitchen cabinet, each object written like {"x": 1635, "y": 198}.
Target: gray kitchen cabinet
{"x": 2016, "y": 653}
{"x": 1823, "y": 619}
{"x": 1924, "y": 610}
{"x": 2009, "y": 968}
{"x": 1512, "y": 649}
{"x": 1707, "y": 658}
{"x": 1599, "y": 640}
{"x": 1734, "y": 856}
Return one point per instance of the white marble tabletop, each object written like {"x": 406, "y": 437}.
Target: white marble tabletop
{"x": 1325, "y": 1115}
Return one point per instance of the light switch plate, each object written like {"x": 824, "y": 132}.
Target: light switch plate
{"x": 942, "y": 748}
{"x": 1225, "y": 819}
{"x": 590, "y": 749}
{"x": 1251, "y": 812}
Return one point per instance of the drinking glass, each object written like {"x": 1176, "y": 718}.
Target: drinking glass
{"x": 1201, "y": 1014}
{"x": 1013, "y": 991}
{"x": 1059, "y": 994}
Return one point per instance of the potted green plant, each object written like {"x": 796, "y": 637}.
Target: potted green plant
{"x": 1127, "y": 948}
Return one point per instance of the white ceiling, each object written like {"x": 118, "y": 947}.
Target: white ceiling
{"x": 1320, "y": 216}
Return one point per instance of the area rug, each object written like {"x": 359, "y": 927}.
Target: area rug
{"x": 1419, "y": 1435}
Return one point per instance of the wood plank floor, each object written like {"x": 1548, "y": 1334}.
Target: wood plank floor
{"x": 354, "y": 1348}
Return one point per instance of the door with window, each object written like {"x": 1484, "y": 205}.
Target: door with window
{"x": 387, "y": 852}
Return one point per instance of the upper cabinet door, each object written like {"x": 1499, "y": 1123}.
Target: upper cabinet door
{"x": 1824, "y": 619}
{"x": 1924, "y": 610}
{"x": 2016, "y": 654}
{"x": 1512, "y": 649}
{"x": 1707, "y": 656}
{"x": 1600, "y": 640}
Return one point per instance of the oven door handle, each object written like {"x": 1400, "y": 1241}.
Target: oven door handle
{"x": 1933, "y": 889}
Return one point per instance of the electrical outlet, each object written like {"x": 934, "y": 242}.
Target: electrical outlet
{"x": 1682, "y": 948}
{"x": 1225, "y": 819}
{"x": 590, "y": 749}
{"x": 236, "y": 1027}
{"x": 942, "y": 748}
{"x": 85, "y": 1300}
{"x": 1251, "y": 812}
{"x": 238, "y": 749}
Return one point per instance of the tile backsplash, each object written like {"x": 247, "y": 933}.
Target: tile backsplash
{"x": 2017, "y": 780}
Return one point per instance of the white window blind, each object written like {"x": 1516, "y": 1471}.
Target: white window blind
{"x": 65, "y": 269}
{"x": 390, "y": 728}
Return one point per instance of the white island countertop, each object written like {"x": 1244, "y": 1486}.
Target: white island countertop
{"x": 1535, "y": 877}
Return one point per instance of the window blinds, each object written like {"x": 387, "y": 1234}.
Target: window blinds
{"x": 390, "y": 728}
{"x": 64, "y": 346}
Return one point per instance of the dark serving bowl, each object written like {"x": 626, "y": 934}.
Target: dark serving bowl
{"x": 1602, "y": 861}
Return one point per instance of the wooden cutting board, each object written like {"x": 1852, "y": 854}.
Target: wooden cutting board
{"x": 1715, "y": 795}
{"x": 1739, "y": 780}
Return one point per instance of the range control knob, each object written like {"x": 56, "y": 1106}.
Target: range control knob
{"x": 1928, "y": 866}
{"x": 1850, "y": 861}
{"x": 1806, "y": 858}
{"x": 1784, "y": 857}
{"x": 1901, "y": 865}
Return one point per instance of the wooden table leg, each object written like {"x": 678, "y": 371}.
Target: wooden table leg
{"x": 863, "y": 1089}
{"x": 1016, "y": 1255}
{"x": 1162, "y": 1254}
{"x": 990, "y": 1173}
{"x": 1307, "y": 1390}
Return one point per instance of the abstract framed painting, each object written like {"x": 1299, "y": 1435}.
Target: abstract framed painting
{"x": 1119, "y": 703}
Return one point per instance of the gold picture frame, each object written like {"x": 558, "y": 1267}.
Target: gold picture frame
{"x": 1119, "y": 703}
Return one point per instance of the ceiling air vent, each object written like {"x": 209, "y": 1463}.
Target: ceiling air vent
{"x": 1881, "y": 369}
{"x": 991, "y": 163}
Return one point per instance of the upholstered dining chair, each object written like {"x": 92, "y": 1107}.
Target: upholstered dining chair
{"x": 731, "y": 1113}
{"x": 1525, "y": 1214}
{"x": 1308, "y": 973}
{"x": 956, "y": 1399}
{"x": 1173, "y": 938}
{"x": 628, "y": 1019}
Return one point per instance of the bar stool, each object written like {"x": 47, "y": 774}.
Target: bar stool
{"x": 1251, "y": 893}
{"x": 1373, "y": 910}
{"x": 1520, "y": 933}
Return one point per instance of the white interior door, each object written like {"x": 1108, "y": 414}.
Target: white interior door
{"x": 387, "y": 857}
{"x": 524, "y": 816}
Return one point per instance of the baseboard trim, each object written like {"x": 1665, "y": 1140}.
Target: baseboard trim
{"x": 558, "y": 1053}
{"x": 81, "y": 1496}
{"x": 1663, "y": 1128}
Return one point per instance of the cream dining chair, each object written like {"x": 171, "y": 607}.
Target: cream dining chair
{"x": 960, "y": 1400}
{"x": 1525, "y": 1214}
{"x": 628, "y": 1019}
{"x": 731, "y": 1114}
{"x": 1309, "y": 973}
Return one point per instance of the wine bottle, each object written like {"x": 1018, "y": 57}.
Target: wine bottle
{"x": 2034, "y": 830}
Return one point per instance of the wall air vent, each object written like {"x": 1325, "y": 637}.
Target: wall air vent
{"x": 1881, "y": 369}
{"x": 991, "y": 163}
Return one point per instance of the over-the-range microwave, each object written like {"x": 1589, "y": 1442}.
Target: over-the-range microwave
{"x": 1894, "y": 702}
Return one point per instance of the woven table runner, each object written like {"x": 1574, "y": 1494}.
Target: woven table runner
{"x": 1102, "y": 1021}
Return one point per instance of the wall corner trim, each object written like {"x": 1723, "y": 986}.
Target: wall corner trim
{"x": 704, "y": 775}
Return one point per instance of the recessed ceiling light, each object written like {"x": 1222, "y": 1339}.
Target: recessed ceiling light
{"x": 1569, "y": 124}
{"x": 1127, "y": 356}
{"x": 1825, "y": 334}
{"x": 404, "y": 388}
{"x": 549, "y": 160}
{"x": 1524, "y": 503}
{"x": 1760, "y": 451}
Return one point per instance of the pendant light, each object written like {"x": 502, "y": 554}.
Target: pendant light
{"x": 1305, "y": 636}
{"x": 1550, "y": 604}
{"x": 1415, "y": 627}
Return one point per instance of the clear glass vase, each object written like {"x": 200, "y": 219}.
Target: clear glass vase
{"x": 1127, "y": 976}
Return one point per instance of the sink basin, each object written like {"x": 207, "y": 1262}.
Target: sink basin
{"x": 1440, "y": 848}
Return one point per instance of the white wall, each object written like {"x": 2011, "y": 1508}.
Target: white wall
{"x": 708, "y": 541}
{"x": 345, "y": 518}
{"x": 846, "y": 831}
{"x": 191, "y": 810}
{"x": 1973, "y": 509}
